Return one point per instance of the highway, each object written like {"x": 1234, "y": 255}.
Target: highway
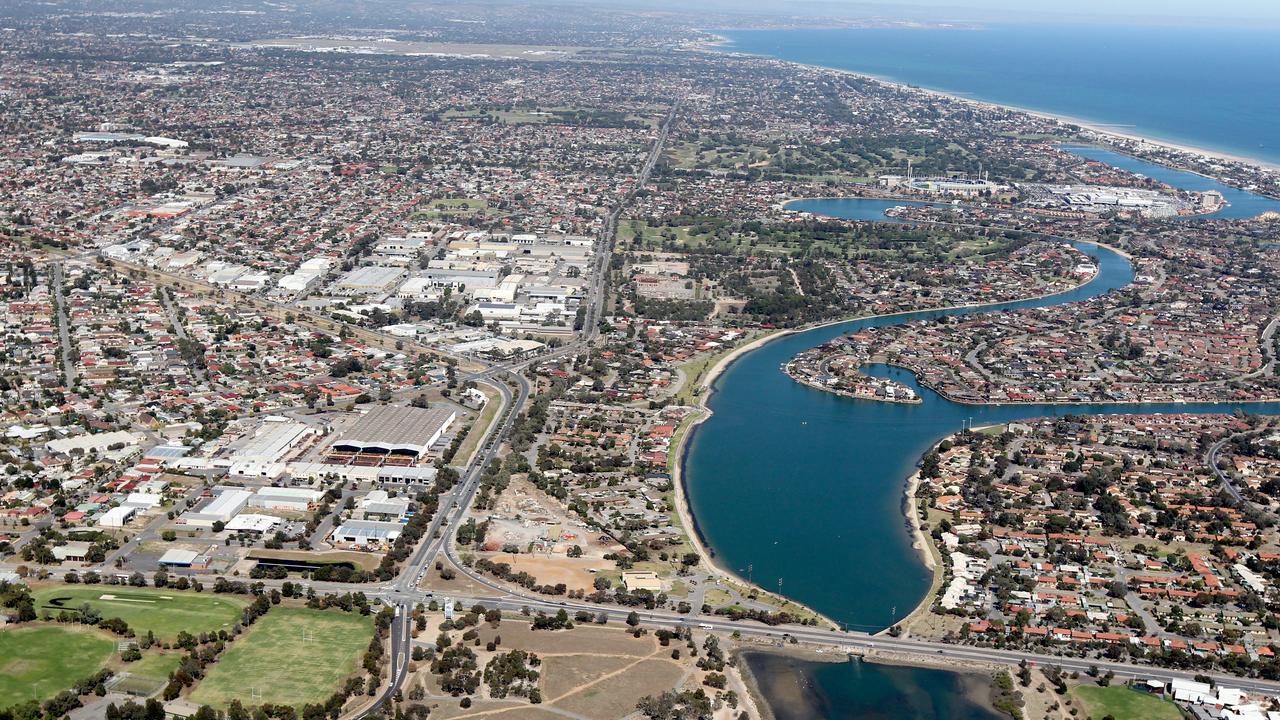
{"x": 403, "y": 594}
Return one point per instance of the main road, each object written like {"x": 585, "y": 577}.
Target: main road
{"x": 402, "y": 592}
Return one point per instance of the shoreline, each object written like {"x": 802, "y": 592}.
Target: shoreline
{"x": 979, "y": 674}
{"x": 1095, "y": 126}
{"x": 707, "y": 557}
{"x": 707, "y": 385}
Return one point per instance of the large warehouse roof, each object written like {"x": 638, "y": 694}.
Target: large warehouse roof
{"x": 388, "y": 429}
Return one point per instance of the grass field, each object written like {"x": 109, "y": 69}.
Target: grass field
{"x": 292, "y": 656}
{"x": 42, "y": 660}
{"x": 164, "y": 612}
{"x": 1125, "y": 704}
{"x": 479, "y": 427}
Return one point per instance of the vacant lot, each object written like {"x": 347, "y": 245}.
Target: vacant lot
{"x": 573, "y": 572}
{"x": 291, "y": 656}
{"x": 42, "y": 660}
{"x": 164, "y": 612}
{"x": 1126, "y": 704}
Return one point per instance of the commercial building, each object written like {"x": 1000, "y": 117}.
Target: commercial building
{"x": 396, "y": 431}
{"x": 228, "y": 503}
{"x": 117, "y": 517}
{"x": 74, "y": 551}
{"x": 290, "y": 499}
{"x": 180, "y": 558}
{"x": 371, "y": 280}
{"x": 366, "y": 533}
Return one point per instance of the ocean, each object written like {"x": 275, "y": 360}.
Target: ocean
{"x": 1214, "y": 88}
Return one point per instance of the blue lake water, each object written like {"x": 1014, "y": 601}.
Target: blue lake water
{"x": 1215, "y": 88}
{"x": 801, "y": 490}
{"x": 800, "y": 690}
{"x": 852, "y": 208}
{"x": 1242, "y": 204}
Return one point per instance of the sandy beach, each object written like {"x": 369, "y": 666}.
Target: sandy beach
{"x": 721, "y": 44}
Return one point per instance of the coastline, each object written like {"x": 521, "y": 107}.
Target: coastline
{"x": 1094, "y": 126}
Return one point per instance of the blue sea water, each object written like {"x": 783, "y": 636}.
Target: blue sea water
{"x": 1211, "y": 87}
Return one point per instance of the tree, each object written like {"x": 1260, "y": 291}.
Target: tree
{"x": 633, "y": 618}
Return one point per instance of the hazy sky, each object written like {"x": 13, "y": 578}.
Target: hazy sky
{"x": 1153, "y": 11}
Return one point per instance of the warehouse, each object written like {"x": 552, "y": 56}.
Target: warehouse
{"x": 117, "y": 517}
{"x": 366, "y": 533}
{"x": 405, "y": 431}
{"x": 228, "y": 503}
{"x": 291, "y": 499}
{"x": 371, "y": 280}
{"x": 273, "y": 440}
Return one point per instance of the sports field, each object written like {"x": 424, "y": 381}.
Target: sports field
{"x": 1124, "y": 703}
{"x": 164, "y": 612}
{"x": 291, "y": 656}
{"x": 42, "y": 660}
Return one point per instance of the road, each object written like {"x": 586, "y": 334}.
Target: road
{"x": 402, "y": 592}
{"x": 64, "y": 329}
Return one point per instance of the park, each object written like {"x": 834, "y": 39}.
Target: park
{"x": 161, "y": 611}
{"x": 292, "y": 656}
{"x": 39, "y": 661}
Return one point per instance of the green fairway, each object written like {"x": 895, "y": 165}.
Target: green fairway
{"x": 164, "y": 612}
{"x": 291, "y": 656}
{"x": 39, "y": 661}
{"x": 1126, "y": 704}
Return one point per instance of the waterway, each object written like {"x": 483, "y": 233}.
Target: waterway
{"x": 1241, "y": 204}
{"x": 801, "y": 491}
{"x": 853, "y": 690}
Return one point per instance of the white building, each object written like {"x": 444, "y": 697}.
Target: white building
{"x": 370, "y": 280}
{"x": 289, "y": 499}
{"x": 117, "y": 517}
{"x": 253, "y": 523}
{"x": 224, "y": 507}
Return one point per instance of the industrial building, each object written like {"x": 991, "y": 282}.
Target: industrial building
{"x": 406, "y": 431}
{"x": 370, "y": 280}
{"x": 118, "y": 517}
{"x": 366, "y": 533}
{"x": 263, "y": 455}
{"x": 226, "y": 505}
{"x": 289, "y": 499}
{"x": 378, "y": 505}
{"x": 252, "y": 523}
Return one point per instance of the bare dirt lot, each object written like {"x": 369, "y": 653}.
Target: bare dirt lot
{"x": 587, "y": 672}
{"x": 575, "y": 573}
